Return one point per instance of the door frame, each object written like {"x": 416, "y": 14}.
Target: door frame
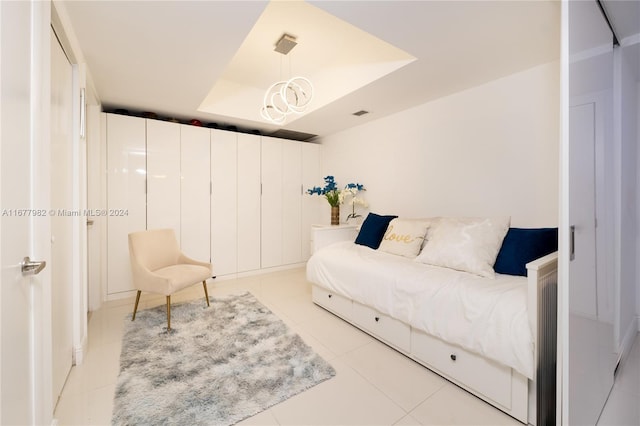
{"x": 61, "y": 25}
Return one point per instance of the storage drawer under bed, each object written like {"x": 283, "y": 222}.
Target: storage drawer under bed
{"x": 387, "y": 329}
{"x": 473, "y": 371}
{"x": 333, "y": 302}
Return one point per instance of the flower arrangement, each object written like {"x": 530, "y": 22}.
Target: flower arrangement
{"x": 336, "y": 196}
{"x": 330, "y": 191}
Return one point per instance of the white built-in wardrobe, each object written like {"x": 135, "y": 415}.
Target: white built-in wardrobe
{"x": 237, "y": 199}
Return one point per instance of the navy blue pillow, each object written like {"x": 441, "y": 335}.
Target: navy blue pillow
{"x": 373, "y": 229}
{"x": 521, "y": 246}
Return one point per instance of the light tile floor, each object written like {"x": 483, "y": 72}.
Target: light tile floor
{"x": 623, "y": 405}
{"x": 374, "y": 384}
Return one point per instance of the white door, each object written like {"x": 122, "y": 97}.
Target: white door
{"x": 291, "y": 202}
{"x": 271, "y": 202}
{"x": 126, "y": 195}
{"x": 588, "y": 361}
{"x": 61, "y": 224}
{"x": 224, "y": 202}
{"x": 25, "y": 374}
{"x": 248, "y": 202}
{"x": 582, "y": 217}
{"x": 163, "y": 175}
{"x": 195, "y": 192}
{"x": 591, "y": 357}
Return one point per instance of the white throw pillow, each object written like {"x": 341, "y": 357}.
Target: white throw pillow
{"x": 466, "y": 244}
{"x": 404, "y": 237}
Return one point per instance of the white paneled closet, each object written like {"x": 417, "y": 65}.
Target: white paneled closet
{"x": 126, "y": 182}
{"x": 235, "y": 198}
{"x": 248, "y": 228}
{"x": 282, "y": 199}
{"x": 224, "y": 201}
{"x": 272, "y": 208}
{"x": 195, "y": 192}
{"x": 163, "y": 175}
{"x": 292, "y": 194}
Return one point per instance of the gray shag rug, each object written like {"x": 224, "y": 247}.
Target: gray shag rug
{"x": 217, "y": 365}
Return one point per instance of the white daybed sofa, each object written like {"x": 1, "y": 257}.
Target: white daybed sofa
{"x": 480, "y": 332}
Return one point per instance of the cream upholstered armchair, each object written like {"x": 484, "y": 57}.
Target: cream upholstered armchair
{"x": 159, "y": 266}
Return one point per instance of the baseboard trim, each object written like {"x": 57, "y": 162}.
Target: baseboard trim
{"x": 132, "y": 293}
{"x": 236, "y": 275}
{"x": 79, "y": 351}
{"x": 627, "y": 342}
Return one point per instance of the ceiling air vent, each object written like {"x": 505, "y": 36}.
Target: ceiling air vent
{"x": 292, "y": 134}
{"x": 361, "y": 112}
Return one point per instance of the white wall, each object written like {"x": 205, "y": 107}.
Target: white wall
{"x": 489, "y": 150}
{"x": 626, "y": 325}
{"x": 638, "y": 209}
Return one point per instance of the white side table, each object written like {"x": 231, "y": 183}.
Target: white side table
{"x": 323, "y": 235}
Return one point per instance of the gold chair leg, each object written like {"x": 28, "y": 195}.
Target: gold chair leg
{"x": 168, "y": 313}
{"x": 206, "y": 293}
{"x": 135, "y": 307}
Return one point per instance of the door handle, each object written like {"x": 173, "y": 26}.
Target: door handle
{"x": 30, "y": 267}
{"x": 572, "y": 242}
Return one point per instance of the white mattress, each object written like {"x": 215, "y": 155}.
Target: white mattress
{"x": 483, "y": 315}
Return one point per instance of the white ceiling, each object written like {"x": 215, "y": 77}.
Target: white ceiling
{"x": 337, "y": 62}
{"x": 165, "y": 56}
{"x": 625, "y": 17}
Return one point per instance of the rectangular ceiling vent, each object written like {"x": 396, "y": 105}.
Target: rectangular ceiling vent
{"x": 292, "y": 134}
{"x": 361, "y": 112}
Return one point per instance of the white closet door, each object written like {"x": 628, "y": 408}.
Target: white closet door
{"x": 311, "y": 205}
{"x": 271, "y": 204}
{"x": 195, "y": 192}
{"x": 163, "y": 175}
{"x": 292, "y": 202}
{"x": 586, "y": 329}
{"x": 248, "y": 202}
{"x": 224, "y": 202}
{"x": 125, "y": 191}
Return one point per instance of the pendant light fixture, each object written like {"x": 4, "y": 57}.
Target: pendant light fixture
{"x": 286, "y": 97}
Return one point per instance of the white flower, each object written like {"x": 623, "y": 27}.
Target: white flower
{"x": 359, "y": 202}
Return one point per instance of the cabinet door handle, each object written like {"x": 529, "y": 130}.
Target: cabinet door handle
{"x": 377, "y": 319}
{"x": 330, "y": 296}
{"x": 453, "y": 357}
{"x": 572, "y": 242}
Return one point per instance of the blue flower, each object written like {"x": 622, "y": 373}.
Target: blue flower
{"x": 356, "y": 186}
{"x": 314, "y": 190}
